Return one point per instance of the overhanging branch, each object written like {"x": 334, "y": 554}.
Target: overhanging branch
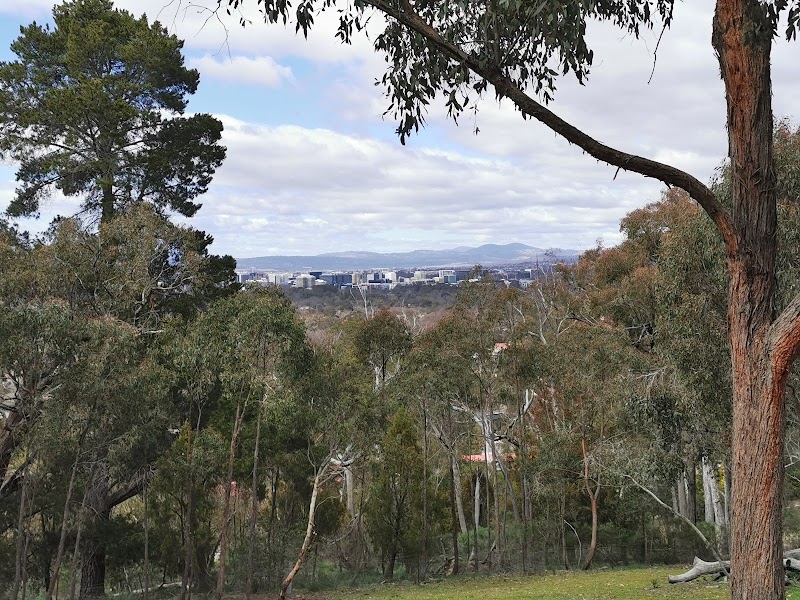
{"x": 505, "y": 87}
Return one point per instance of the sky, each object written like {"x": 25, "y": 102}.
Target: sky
{"x": 314, "y": 167}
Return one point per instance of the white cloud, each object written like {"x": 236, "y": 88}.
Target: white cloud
{"x": 262, "y": 70}
{"x": 295, "y": 190}
{"x": 30, "y": 9}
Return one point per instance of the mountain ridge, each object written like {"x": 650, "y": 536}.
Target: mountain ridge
{"x": 486, "y": 255}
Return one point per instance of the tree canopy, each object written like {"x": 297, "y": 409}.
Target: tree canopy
{"x": 93, "y": 107}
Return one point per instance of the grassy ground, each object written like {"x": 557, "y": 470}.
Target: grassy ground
{"x": 617, "y": 584}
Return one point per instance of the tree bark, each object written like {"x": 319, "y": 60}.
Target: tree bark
{"x": 708, "y": 493}
{"x": 8, "y": 430}
{"x": 107, "y": 202}
{"x": 312, "y": 511}
{"x": 683, "y": 505}
{"x": 454, "y": 526}
{"x": 425, "y": 525}
{"x": 93, "y": 570}
{"x": 691, "y": 491}
{"x": 476, "y": 520}
{"x": 462, "y": 518}
{"x": 146, "y": 528}
{"x": 593, "y": 494}
{"x": 761, "y": 355}
{"x": 722, "y": 567}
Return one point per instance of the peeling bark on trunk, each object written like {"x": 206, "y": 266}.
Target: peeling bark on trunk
{"x": 761, "y": 355}
{"x": 715, "y": 513}
{"x": 683, "y": 506}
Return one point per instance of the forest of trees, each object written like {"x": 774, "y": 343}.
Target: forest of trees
{"x": 163, "y": 425}
{"x": 160, "y": 425}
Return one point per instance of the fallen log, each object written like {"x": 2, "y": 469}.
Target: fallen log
{"x": 791, "y": 563}
{"x": 701, "y": 567}
{"x": 721, "y": 568}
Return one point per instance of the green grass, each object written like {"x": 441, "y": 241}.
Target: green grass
{"x": 605, "y": 584}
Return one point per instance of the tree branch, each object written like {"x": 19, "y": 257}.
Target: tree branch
{"x": 689, "y": 522}
{"x": 784, "y": 341}
{"x": 505, "y": 87}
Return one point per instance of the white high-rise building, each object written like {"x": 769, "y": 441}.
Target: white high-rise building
{"x": 305, "y": 281}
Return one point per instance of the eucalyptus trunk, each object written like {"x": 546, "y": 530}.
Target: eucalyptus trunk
{"x": 593, "y": 495}
{"x": 56, "y": 570}
{"x": 454, "y": 525}
{"x": 312, "y": 513}
{"x": 253, "y": 509}
{"x": 762, "y": 349}
{"x": 20, "y": 540}
{"x": 226, "y": 507}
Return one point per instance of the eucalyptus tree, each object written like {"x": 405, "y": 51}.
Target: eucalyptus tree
{"x": 457, "y": 50}
{"x": 382, "y": 341}
{"x": 593, "y": 397}
{"x": 86, "y": 315}
{"x": 247, "y": 379}
{"x": 93, "y": 108}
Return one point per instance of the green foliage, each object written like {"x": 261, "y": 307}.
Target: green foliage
{"x": 394, "y": 505}
{"x": 381, "y": 342}
{"x": 531, "y": 44}
{"x": 92, "y": 108}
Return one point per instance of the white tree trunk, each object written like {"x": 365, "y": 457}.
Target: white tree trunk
{"x": 462, "y": 519}
{"x": 713, "y": 496}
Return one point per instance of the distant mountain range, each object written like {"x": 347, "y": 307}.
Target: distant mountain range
{"x": 486, "y": 255}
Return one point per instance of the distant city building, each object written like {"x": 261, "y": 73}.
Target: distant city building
{"x": 306, "y": 280}
{"x": 447, "y": 276}
{"x": 279, "y": 278}
{"x": 337, "y": 279}
{"x": 245, "y": 277}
